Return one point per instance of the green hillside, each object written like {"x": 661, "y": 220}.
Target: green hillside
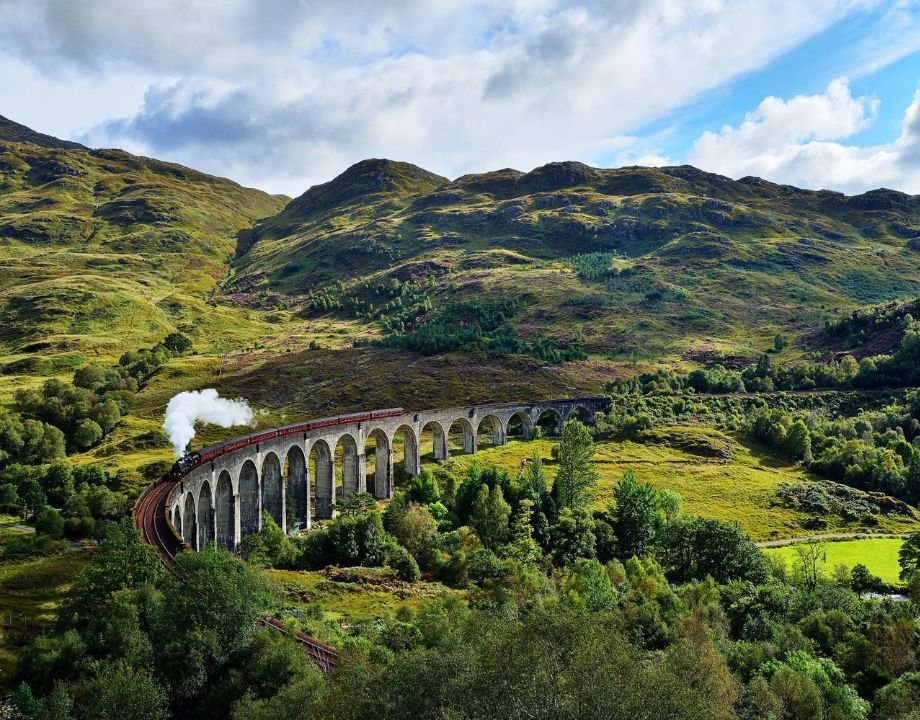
{"x": 669, "y": 263}
{"x": 103, "y": 250}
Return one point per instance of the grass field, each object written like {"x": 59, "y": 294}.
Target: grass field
{"x": 324, "y": 602}
{"x": 741, "y": 488}
{"x": 31, "y": 592}
{"x": 880, "y": 555}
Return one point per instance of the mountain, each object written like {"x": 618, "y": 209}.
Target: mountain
{"x": 683, "y": 263}
{"x": 101, "y": 248}
{"x": 14, "y": 132}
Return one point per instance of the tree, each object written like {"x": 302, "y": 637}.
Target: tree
{"x": 489, "y": 516}
{"x": 401, "y": 560}
{"x": 25, "y": 703}
{"x": 347, "y": 541}
{"x": 780, "y": 342}
{"x": 798, "y": 442}
{"x": 670, "y": 502}
{"x": 49, "y": 522}
{"x": 423, "y": 488}
{"x": 810, "y": 558}
{"x": 177, "y": 343}
{"x": 123, "y": 562}
{"x": 694, "y": 548}
{"x": 120, "y": 691}
{"x": 912, "y": 478}
{"x": 85, "y": 434}
{"x": 90, "y": 377}
{"x": 205, "y": 618}
{"x": 32, "y": 496}
{"x": 58, "y": 482}
{"x": 636, "y": 515}
{"x": 576, "y": 476}
{"x": 533, "y": 477}
{"x": 355, "y": 504}
{"x": 106, "y": 414}
{"x": 42, "y": 442}
{"x": 909, "y": 556}
{"x": 522, "y": 547}
{"x": 9, "y": 497}
{"x": 592, "y": 583}
{"x": 416, "y": 530}
{"x": 269, "y": 546}
{"x": 863, "y": 581}
{"x": 89, "y": 474}
{"x": 58, "y": 704}
{"x": 572, "y": 537}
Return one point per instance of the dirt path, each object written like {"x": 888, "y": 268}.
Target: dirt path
{"x": 828, "y": 536}
{"x": 18, "y": 527}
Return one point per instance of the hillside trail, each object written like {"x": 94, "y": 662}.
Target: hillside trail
{"x": 828, "y": 536}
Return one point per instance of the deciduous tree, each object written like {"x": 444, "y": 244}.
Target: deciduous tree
{"x": 577, "y": 475}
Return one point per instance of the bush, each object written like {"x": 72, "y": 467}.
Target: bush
{"x": 177, "y": 343}
{"x": 76, "y": 528}
{"x": 86, "y": 434}
{"x": 403, "y": 563}
{"x": 347, "y": 541}
{"x": 49, "y": 522}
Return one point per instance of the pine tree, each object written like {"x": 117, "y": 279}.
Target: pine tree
{"x": 522, "y": 547}
{"x": 533, "y": 478}
{"x": 489, "y": 516}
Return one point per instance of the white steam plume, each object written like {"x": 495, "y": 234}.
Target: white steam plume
{"x": 204, "y": 405}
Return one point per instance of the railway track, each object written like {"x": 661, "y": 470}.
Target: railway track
{"x": 150, "y": 519}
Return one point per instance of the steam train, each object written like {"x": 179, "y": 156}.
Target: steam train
{"x": 188, "y": 462}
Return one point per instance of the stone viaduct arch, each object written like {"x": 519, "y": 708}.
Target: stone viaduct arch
{"x": 323, "y": 478}
{"x": 298, "y": 486}
{"x": 273, "y": 488}
{"x": 494, "y": 425}
{"x": 250, "y": 499}
{"x": 294, "y": 476}
{"x": 225, "y": 511}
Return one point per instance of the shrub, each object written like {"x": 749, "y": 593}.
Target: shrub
{"x": 86, "y": 434}
{"x": 177, "y": 343}
{"x": 49, "y": 522}
{"x": 403, "y": 563}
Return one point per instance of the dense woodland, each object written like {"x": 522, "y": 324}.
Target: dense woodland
{"x": 638, "y": 610}
{"x": 37, "y": 479}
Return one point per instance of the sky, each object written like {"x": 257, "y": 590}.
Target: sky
{"x": 285, "y": 94}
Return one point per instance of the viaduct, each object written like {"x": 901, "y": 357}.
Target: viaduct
{"x": 221, "y": 500}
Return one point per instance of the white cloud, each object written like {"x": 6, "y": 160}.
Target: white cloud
{"x": 795, "y": 142}
{"x": 283, "y": 95}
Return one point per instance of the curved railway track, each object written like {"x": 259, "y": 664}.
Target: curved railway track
{"x": 150, "y": 519}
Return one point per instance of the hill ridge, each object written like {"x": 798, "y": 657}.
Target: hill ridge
{"x": 13, "y": 131}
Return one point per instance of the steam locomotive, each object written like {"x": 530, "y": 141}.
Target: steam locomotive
{"x": 188, "y": 462}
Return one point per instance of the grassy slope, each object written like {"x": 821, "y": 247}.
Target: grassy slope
{"x": 880, "y": 555}
{"x": 102, "y": 251}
